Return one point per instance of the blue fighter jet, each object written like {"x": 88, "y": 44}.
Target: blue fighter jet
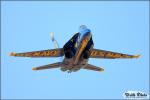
{"x": 76, "y": 52}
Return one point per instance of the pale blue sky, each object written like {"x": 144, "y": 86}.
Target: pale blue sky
{"x": 115, "y": 25}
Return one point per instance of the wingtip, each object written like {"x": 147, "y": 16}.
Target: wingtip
{"x": 101, "y": 70}
{"x": 34, "y": 68}
{"x": 136, "y": 56}
{"x": 12, "y": 54}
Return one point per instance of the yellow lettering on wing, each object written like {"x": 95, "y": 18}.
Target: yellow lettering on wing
{"x": 109, "y": 55}
{"x": 47, "y": 53}
{"x": 101, "y": 54}
{"x": 54, "y": 52}
{"x": 117, "y": 55}
{"x": 36, "y": 54}
{"x": 93, "y": 53}
{"x": 21, "y": 54}
{"x": 40, "y": 53}
{"x": 50, "y": 53}
{"x": 43, "y": 54}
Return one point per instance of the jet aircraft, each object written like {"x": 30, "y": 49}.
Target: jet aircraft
{"x": 76, "y": 53}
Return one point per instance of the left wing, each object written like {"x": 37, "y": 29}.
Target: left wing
{"x": 43, "y": 53}
{"x": 92, "y": 67}
{"x": 96, "y": 53}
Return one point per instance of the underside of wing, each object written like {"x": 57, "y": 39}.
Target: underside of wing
{"x": 94, "y": 68}
{"x": 43, "y": 53}
{"x": 96, "y": 53}
{"x": 49, "y": 66}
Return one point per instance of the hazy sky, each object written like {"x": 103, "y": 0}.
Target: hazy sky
{"x": 115, "y": 25}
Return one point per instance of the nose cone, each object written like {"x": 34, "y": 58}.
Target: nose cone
{"x": 83, "y": 29}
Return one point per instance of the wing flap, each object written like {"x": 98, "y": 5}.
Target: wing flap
{"x": 43, "y": 53}
{"x": 92, "y": 67}
{"x": 49, "y": 66}
{"x": 96, "y": 53}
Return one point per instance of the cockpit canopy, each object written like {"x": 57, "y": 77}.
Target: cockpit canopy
{"x": 83, "y": 30}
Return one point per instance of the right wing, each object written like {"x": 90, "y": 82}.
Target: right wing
{"x": 97, "y": 53}
{"x": 92, "y": 67}
{"x": 43, "y": 53}
{"x": 49, "y": 66}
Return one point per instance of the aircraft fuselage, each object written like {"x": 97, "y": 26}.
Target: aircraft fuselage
{"x": 77, "y": 61}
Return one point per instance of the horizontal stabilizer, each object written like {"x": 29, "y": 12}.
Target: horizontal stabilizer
{"x": 94, "y": 68}
{"x": 43, "y": 53}
{"x": 49, "y": 66}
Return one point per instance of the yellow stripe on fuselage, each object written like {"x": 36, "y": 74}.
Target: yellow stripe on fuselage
{"x": 80, "y": 50}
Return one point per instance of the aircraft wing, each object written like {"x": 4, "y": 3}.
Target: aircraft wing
{"x": 97, "y": 53}
{"x": 92, "y": 67}
{"x": 43, "y": 53}
{"x": 49, "y": 66}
